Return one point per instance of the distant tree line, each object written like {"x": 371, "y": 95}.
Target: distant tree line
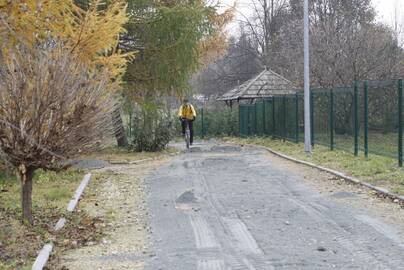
{"x": 347, "y": 44}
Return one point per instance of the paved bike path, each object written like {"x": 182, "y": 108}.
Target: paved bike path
{"x": 224, "y": 207}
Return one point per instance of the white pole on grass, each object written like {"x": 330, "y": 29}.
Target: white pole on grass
{"x": 307, "y": 124}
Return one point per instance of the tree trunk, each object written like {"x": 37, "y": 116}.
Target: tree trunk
{"x": 26, "y": 175}
{"x": 119, "y": 129}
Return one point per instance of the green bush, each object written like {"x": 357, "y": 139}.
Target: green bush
{"x": 152, "y": 128}
{"x": 152, "y": 140}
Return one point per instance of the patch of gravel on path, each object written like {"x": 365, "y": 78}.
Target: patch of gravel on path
{"x": 339, "y": 190}
{"x": 117, "y": 194}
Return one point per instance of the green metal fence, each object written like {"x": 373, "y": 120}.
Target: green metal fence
{"x": 217, "y": 121}
{"x": 364, "y": 118}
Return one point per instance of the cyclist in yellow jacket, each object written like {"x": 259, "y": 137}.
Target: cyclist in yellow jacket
{"x": 187, "y": 113}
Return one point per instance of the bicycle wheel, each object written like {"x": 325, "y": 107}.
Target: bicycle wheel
{"x": 187, "y": 137}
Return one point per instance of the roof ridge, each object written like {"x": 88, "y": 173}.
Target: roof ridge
{"x": 259, "y": 90}
{"x": 280, "y": 76}
{"x": 255, "y": 79}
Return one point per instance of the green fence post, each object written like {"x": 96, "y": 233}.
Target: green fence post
{"x": 356, "y": 120}
{"x": 331, "y": 120}
{"x": 312, "y": 118}
{"x": 249, "y": 120}
{"x": 273, "y": 118}
{"x": 284, "y": 117}
{"x": 245, "y": 120}
{"x": 255, "y": 119}
{"x": 263, "y": 118}
{"x": 366, "y": 118}
{"x": 297, "y": 118}
{"x": 239, "y": 120}
{"x": 400, "y": 123}
{"x": 242, "y": 120}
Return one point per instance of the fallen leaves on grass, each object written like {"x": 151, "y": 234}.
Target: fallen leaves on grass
{"x": 19, "y": 243}
{"x": 80, "y": 230}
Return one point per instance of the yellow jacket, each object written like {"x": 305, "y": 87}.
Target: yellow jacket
{"x": 187, "y": 111}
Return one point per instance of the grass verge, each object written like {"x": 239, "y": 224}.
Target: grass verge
{"x": 19, "y": 242}
{"x": 378, "y": 170}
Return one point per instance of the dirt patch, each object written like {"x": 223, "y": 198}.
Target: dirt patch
{"x": 341, "y": 191}
{"x": 117, "y": 195}
{"x": 122, "y": 155}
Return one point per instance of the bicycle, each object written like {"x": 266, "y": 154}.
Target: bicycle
{"x": 187, "y": 135}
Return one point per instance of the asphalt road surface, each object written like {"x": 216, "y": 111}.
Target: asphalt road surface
{"x": 222, "y": 207}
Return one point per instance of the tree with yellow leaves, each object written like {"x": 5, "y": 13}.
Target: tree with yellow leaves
{"x": 59, "y": 64}
{"x": 91, "y": 34}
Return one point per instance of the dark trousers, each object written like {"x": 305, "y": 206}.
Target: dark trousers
{"x": 191, "y": 129}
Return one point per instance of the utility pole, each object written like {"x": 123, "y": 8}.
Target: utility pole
{"x": 307, "y": 124}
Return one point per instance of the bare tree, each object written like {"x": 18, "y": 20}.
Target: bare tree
{"x": 51, "y": 109}
{"x": 239, "y": 64}
{"x": 398, "y": 27}
{"x": 265, "y": 24}
{"x": 347, "y": 43}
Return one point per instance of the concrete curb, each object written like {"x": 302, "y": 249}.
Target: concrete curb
{"x": 60, "y": 224}
{"x": 379, "y": 190}
{"x": 43, "y": 257}
{"x": 45, "y": 252}
{"x": 79, "y": 191}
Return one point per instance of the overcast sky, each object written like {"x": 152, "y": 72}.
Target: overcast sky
{"x": 385, "y": 10}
